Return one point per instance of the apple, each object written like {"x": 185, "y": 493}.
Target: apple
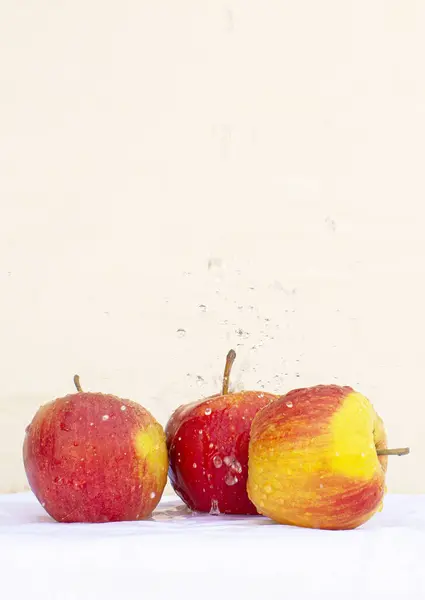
{"x": 93, "y": 457}
{"x": 318, "y": 458}
{"x": 207, "y": 443}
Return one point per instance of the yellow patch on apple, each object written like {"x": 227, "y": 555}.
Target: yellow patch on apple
{"x": 151, "y": 448}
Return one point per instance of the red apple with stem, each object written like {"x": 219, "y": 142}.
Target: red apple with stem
{"x": 93, "y": 457}
{"x": 207, "y": 443}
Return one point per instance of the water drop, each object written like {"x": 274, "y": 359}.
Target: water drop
{"x": 179, "y": 439}
{"x": 76, "y": 444}
{"x": 123, "y": 407}
{"x": 208, "y": 411}
{"x": 200, "y": 432}
{"x": 194, "y": 465}
{"x": 230, "y": 479}
{"x": 91, "y": 424}
{"x": 217, "y": 461}
{"x": 152, "y": 495}
{"x": 241, "y": 333}
{"x": 289, "y": 404}
{"x": 268, "y": 489}
{"x": 105, "y": 417}
{"x": 233, "y": 463}
{"x": 211, "y": 445}
{"x": 321, "y": 485}
{"x": 214, "y": 510}
{"x": 181, "y": 332}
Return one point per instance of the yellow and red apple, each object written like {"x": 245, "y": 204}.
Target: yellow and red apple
{"x": 93, "y": 457}
{"x": 317, "y": 458}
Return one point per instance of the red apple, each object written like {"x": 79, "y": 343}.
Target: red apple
{"x": 93, "y": 457}
{"x": 207, "y": 443}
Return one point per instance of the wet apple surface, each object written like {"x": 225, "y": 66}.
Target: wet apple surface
{"x": 93, "y": 457}
{"x": 318, "y": 458}
{"x": 207, "y": 443}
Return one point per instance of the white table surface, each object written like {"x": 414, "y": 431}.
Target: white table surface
{"x": 179, "y": 554}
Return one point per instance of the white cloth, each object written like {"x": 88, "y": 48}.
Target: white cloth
{"x": 178, "y": 554}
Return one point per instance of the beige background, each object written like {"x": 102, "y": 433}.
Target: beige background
{"x": 263, "y": 159}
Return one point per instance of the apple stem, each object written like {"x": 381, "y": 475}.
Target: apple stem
{"x": 230, "y": 359}
{"x": 393, "y": 451}
{"x": 77, "y": 383}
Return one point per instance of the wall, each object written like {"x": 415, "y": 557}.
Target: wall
{"x": 262, "y": 159}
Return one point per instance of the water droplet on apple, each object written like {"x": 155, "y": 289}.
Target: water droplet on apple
{"x": 179, "y": 439}
{"x": 105, "y": 417}
{"x": 181, "y": 332}
{"x": 208, "y": 411}
{"x": 321, "y": 485}
{"x": 200, "y": 432}
{"x": 268, "y": 489}
{"x": 233, "y": 463}
{"x": 289, "y": 404}
{"x": 214, "y": 510}
{"x": 75, "y": 443}
{"x": 261, "y": 395}
{"x": 152, "y": 495}
{"x": 217, "y": 461}
{"x": 194, "y": 465}
{"x": 211, "y": 445}
{"x": 91, "y": 424}
{"x": 230, "y": 479}
{"x": 123, "y": 407}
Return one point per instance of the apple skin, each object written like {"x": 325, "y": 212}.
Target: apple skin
{"x": 207, "y": 443}
{"x": 93, "y": 457}
{"x": 313, "y": 461}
